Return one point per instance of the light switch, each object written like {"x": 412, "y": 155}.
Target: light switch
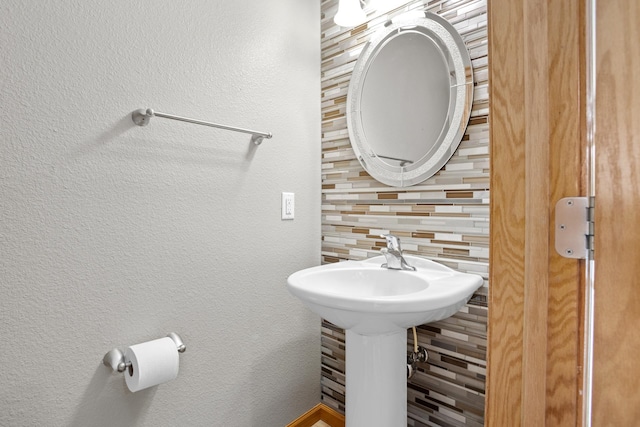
{"x": 288, "y": 205}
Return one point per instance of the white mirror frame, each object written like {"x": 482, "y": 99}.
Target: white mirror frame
{"x": 444, "y": 34}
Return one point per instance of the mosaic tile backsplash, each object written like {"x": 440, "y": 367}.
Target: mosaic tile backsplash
{"x": 445, "y": 219}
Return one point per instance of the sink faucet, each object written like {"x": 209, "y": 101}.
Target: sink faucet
{"x": 393, "y": 254}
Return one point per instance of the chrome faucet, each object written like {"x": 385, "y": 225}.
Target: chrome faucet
{"x": 393, "y": 254}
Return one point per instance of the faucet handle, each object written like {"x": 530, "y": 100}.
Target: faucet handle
{"x": 393, "y": 242}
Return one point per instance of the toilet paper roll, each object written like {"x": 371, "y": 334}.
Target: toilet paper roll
{"x": 152, "y": 363}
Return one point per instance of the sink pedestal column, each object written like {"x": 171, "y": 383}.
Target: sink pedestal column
{"x": 376, "y": 379}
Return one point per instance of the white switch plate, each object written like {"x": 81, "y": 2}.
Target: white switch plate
{"x": 288, "y": 205}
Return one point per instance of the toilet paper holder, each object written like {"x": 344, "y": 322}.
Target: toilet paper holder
{"x": 115, "y": 358}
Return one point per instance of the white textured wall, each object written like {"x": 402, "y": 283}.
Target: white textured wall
{"x": 112, "y": 234}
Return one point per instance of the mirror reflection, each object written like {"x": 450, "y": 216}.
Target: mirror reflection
{"x": 384, "y": 99}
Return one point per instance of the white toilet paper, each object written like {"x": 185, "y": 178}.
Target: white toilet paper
{"x": 152, "y": 363}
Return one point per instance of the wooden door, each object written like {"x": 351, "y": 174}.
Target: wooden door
{"x": 537, "y": 57}
{"x": 616, "y": 352}
{"x": 536, "y": 62}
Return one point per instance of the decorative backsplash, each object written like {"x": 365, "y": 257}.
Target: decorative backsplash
{"x": 445, "y": 218}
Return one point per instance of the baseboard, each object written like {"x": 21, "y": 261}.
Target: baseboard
{"x": 320, "y": 412}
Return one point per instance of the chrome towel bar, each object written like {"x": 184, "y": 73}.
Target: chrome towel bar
{"x": 142, "y": 118}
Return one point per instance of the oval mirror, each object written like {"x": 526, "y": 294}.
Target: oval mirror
{"x": 409, "y": 99}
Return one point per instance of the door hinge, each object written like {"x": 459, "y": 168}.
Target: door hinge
{"x": 574, "y": 227}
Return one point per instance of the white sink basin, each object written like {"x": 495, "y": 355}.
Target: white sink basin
{"x": 375, "y": 305}
{"x": 370, "y": 300}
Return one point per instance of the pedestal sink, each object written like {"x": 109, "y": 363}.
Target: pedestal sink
{"x": 375, "y": 306}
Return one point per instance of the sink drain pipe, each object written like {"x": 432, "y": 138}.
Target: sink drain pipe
{"x": 419, "y": 354}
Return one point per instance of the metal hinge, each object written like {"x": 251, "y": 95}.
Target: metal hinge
{"x": 574, "y": 227}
